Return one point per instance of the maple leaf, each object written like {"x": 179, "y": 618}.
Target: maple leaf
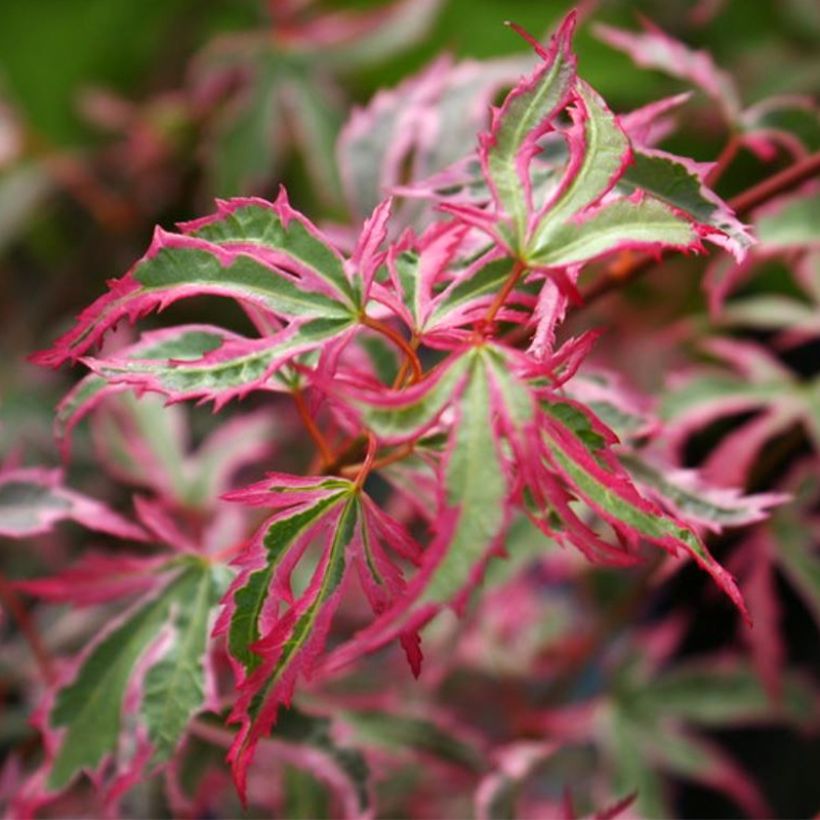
{"x": 265, "y": 256}
{"x": 33, "y": 500}
{"x": 510, "y": 442}
{"x": 275, "y": 637}
{"x": 176, "y": 609}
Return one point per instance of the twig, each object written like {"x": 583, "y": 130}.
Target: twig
{"x": 310, "y": 426}
{"x": 779, "y": 183}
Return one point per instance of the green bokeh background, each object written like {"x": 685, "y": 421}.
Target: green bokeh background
{"x": 51, "y": 49}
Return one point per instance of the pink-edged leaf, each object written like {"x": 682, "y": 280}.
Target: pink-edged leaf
{"x": 599, "y": 152}
{"x": 276, "y": 637}
{"x": 443, "y": 296}
{"x": 527, "y": 112}
{"x": 376, "y": 139}
{"x": 763, "y": 385}
{"x": 610, "y": 491}
{"x": 98, "y": 577}
{"x": 367, "y": 255}
{"x": 476, "y": 482}
{"x": 256, "y": 253}
{"x": 429, "y": 121}
{"x": 231, "y": 371}
{"x": 180, "y": 343}
{"x": 648, "y": 125}
{"x": 289, "y": 647}
{"x": 653, "y": 48}
{"x": 84, "y": 725}
{"x": 680, "y": 183}
{"x": 625, "y": 411}
{"x": 277, "y": 234}
{"x": 637, "y": 222}
{"x": 692, "y": 499}
{"x": 415, "y": 265}
{"x": 303, "y": 508}
{"x": 33, "y": 500}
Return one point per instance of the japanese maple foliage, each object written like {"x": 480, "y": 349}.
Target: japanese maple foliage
{"x": 426, "y": 363}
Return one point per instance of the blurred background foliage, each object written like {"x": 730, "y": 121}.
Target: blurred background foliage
{"x": 101, "y": 137}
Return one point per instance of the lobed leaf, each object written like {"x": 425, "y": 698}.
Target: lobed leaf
{"x": 279, "y": 235}
{"x": 89, "y": 710}
{"x": 641, "y": 223}
{"x": 180, "y": 343}
{"x": 686, "y": 494}
{"x": 33, "y": 500}
{"x": 232, "y": 370}
{"x": 679, "y": 183}
{"x": 275, "y": 637}
{"x": 612, "y": 494}
{"x": 526, "y": 113}
{"x": 174, "y": 687}
{"x": 599, "y": 151}
{"x": 261, "y": 255}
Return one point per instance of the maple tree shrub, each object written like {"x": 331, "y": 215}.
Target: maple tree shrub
{"x": 441, "y": 442}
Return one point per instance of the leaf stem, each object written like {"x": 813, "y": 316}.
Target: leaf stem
{"x": 310, "y": 426}
{"x": 404, "y": 370}
{"x": 367, "y": 464}
{"x": 377, "y": 463}
{"x": 28, "y": 629}
{"x": 398, "y": 340}
{"x": 501, "y": 296}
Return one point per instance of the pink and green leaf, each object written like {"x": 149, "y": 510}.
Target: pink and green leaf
{"x": 237, "y": 264}
{"x": 612, "y": 494}
{"x": 33, "y": 500}
{"x": 180, "y": 343}
{"x": 88, "y": 712}
{"x": 236, "y": 368}
{"x": 599, "y": 152}
{"x": 678, "y": 182}
{"x": 689, "y": 497}
{"x": 526, "y": 113}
